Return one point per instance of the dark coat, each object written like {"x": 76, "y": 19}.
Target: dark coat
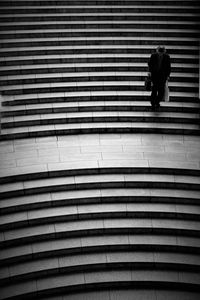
{"x": 160, "y": 68}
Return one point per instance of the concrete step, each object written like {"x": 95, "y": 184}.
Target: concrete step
{"x": 97, "y": 190}
{"x": 99, "y": 196}
{"x": 47, "y": 9}
{"x": 6, "y": 81}
{"x": 142, "y": 49}
{"x": 95, "y": 106}
{"x": 91, "y": 86}
{"x": 101, "y": 16}
{"x": 97, "y": 2}
{"x": 33, "y": 234}
{"x": 100, "y": 40}
{"x": 101, "y": 24}
{"x": 98, "y": 32}
{"x": 95, "y": 211}
{"x": 22, "y": 253}
{"x": 92, "y": 116}
{"x": 99, "y": 127}
{"x": 145, "y": 259}
{"x": 94, "y": 96}
{"x": 91, "y": 58}
{"x": 179, "y": 70}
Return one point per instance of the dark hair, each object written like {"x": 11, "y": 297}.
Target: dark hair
{"x": 161, "y": 49}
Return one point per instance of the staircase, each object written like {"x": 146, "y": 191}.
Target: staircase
{"x": 99, "y": 195}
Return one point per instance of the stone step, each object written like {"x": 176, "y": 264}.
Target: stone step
{"x": 40, "y": 250}
{"x": 98, "y": 32}
{"x": 111, "y": 259}
{"x": 92, "y": 116}
{"x": 97, "y": 190}
{"x": 48, "y": 9}
{"x": 93, "y": 211}
{"x": 142, "y": 49}
{"x": 136, "y": 196}
{"x": 106, "y": 211}
{"x": 104, "y": 178}
{"x": 89, "y": 227}
{"x": 91, "y": 86}
{"x": 101, "y": 24}
{"x": 6, "y": 81}
{"x": 99, "y": 127}
{"x": 100, "y": 40}
{"x": 66, "y": 50}
{"x": 134, "y": 49}
{"x": 91, "y": 58}
{"x": 94, "y": 96}
{"x": 97, "y": 2}
{"x": 95, "y": 106}
{"x": 179, "y": 70}
{"x": 101, "y": 16}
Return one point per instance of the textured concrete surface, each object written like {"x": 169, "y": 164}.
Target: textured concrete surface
{"x": 99, "y": 195}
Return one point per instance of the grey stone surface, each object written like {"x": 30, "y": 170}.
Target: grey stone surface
{"x": 97, "y": 191}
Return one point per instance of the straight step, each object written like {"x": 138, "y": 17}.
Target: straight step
{"x": 94, "y": 106}
{"x": 97, "y": 2}
{"x": 47, "y": 9}
{"x": 92, "y": 96}
{"x": 99, "y": 32}
{"x": 6, "y": 81}
{"x": 62, "y": 41}
{"x": 101, "y": 24}
{"x": 92, "y": 49}
{"x": 101, "y": 127}
{"x": 91, "y": 86}
{"x": 178, "y": 70}
{"x": 92, "y": 116}
{"x": 101, "y": 16}
{"x": 91, "y": 58}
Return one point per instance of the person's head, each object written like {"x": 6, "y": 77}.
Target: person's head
{"x": 161, "y": 49}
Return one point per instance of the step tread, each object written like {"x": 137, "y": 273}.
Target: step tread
{"x": 114, "y": 46}
{"x": 104, "y": 114}
{"x": 98, "y": 55}
{"x": 103, "y": 104}
{"x": 90, "y": 83}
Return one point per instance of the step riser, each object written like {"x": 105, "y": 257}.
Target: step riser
{"x": 90, "y": 51}
{"x": 96, "y": 2}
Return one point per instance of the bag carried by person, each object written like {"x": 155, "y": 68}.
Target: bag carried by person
{"x": 166, "y": 93}
{"x": 148, "y": 83}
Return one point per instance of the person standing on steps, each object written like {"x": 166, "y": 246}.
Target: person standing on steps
{"x": 159, "y": 71}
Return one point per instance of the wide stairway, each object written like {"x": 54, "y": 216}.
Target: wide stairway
{"x": 99, "y": 195}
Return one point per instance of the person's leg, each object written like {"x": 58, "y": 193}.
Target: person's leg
{"x": 154, "y": 95}
{"x": 161, "y": 90}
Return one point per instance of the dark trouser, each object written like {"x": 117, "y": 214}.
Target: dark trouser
{"x": 157, "y": 94}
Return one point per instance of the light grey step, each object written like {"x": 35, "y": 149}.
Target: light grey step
{"x": 7, "y": 121}
{"x": 76, "y": 106}
{"x": 63, "y": 96}
{"x": 186, "y": 40}
{"x": 108, "y": 127}
{"x": 100, "y": 22}
{"x": 90, "y": 74}
{"x": 103, "y": 56}
{"x": 88, "y": 84}
{"x": 112, "y": 30}
{"x": 110, "y": 47}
